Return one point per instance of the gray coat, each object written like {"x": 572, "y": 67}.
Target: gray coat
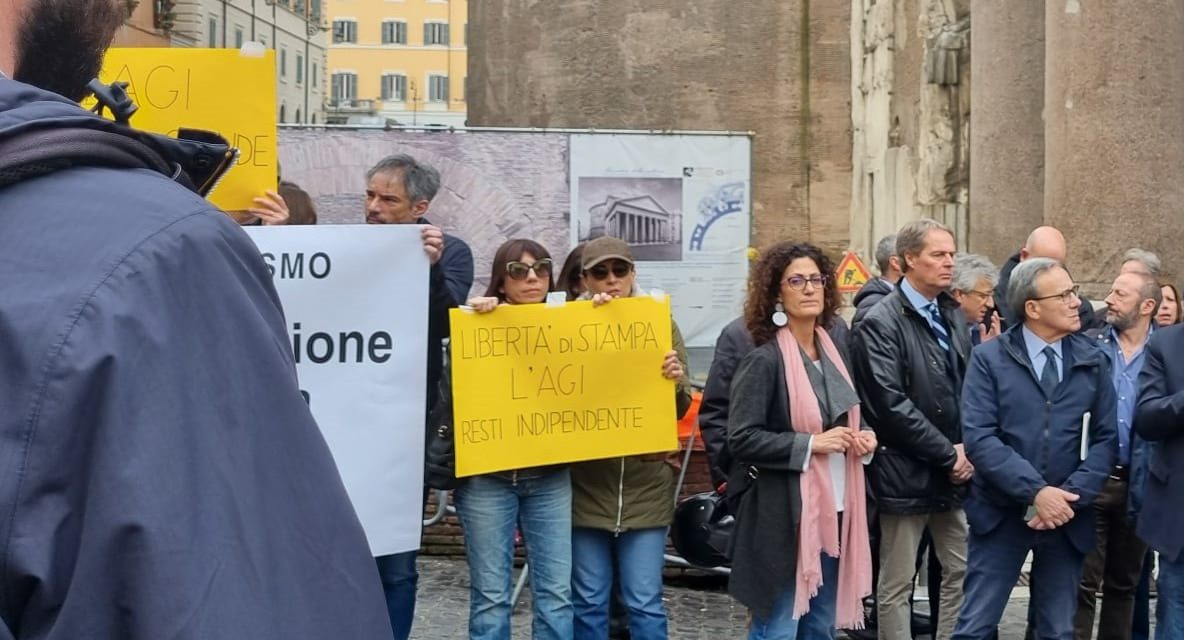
{"x": 769, "y": 459}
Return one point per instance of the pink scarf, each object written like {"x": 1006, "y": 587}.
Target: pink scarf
{"x": 819, "y": 532}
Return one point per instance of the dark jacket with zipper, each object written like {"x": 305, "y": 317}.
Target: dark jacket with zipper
{"x": 868, "y": 296}
{"x": 1021, "y": 440}
{"x": 910, "y": 389}
{"x": 1141, "y": 449}
{"x": 770, "y": 456}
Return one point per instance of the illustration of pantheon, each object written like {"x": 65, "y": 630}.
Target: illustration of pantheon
{"x": 638, "y": 220}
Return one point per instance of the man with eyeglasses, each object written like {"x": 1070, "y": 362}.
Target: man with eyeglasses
{"x": 1043, "y": 242}
{"x": 974, "y": 288}
{"x": 398, "y": 191}
{"x": 908, "y": 355}
{"x": 1039, "y": 416}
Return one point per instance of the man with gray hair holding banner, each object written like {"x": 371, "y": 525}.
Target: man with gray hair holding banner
{"x": 398, "y": 191}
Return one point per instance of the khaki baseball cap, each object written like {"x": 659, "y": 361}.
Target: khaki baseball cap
{"x": 606, "y": 248}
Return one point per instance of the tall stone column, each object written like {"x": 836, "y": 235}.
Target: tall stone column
{"x": 1114, "y": 140}
{"x": 1006, "y": 128}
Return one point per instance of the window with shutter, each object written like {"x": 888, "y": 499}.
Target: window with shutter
{"x": 437, "y": 88}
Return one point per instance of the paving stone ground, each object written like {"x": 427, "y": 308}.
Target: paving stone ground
{"x": 699, "y": 608}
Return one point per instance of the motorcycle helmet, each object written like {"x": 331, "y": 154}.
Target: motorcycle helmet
{"x": 702, "y": 530}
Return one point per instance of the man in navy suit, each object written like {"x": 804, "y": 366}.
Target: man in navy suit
{"x": 1159, "y": 418}
{"x": 1040, "y": 428}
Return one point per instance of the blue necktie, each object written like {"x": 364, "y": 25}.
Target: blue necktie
{"x": 1049, "y": 379}
{"x": 938, "y": 325}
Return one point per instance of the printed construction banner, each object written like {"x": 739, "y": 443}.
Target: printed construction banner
{"x": 204, "y": 89}
{"x": 356, "y": 298}
{"x": 691, "y": 192}
{"x": 536, "y": 385}
{"x": 682, "y": 203}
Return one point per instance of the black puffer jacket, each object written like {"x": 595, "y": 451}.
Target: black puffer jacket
{"x": 911, "y": 396}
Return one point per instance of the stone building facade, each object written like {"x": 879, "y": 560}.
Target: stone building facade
{"x": 864, "y": 114}
{"x": 779, "y": 68}
{"x": 296, "y": 29}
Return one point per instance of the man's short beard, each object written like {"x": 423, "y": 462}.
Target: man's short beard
{"x": 1122, "y": 322}
{"x": 61, "y": 43}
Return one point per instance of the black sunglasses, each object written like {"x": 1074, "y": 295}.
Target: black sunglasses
{"x": 519, "y": 270}
{"x": 619, "y": 269}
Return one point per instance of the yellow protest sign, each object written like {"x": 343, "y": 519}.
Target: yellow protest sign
{"x": 535, "y": 385}
{"x": 217, "y": 90}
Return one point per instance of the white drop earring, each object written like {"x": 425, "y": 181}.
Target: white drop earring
{"x": 779, "y": 317}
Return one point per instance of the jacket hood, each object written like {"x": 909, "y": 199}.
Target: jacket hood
{"x": 875, "y": 287}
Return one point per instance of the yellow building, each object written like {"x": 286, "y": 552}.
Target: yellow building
{"x": 397, "y": 60}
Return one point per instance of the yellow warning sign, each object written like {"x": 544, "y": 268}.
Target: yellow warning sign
{"x": 852, "y": 275}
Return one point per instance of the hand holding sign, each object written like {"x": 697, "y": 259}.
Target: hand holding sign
{"x": 270, "y": 209}
{"x": 536, "y": 385}
{"x": 672, "y": 367}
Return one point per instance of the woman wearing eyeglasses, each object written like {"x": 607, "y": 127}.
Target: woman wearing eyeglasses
{"x": 801, "y": 561}
{"x": 626, "y": 503}
{"x": 490, "y": 506}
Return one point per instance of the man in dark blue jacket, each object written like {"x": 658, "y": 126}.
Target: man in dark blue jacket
{"x": 1039, "y": 423}
{"x": 160, "y": 473}
{"x": 1159, "y": 418}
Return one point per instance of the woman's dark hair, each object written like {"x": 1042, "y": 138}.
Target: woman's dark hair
{"x": 571, "y": 276}
{"x": 510, "y": 251}
{"x": 1179, "y": 302}
{"x": 300, "y": 207}
{"x": 764, "y": 288}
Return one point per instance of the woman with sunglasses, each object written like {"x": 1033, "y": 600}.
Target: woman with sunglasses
{"x": 490, "y": 506}
{"x": 801, "y": 559}
{"x": 627, "y": 502}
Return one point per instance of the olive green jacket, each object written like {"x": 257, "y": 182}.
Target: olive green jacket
{"x": 633, "y": 492}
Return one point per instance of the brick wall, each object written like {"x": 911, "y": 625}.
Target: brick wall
{"x": 447, "y": 537}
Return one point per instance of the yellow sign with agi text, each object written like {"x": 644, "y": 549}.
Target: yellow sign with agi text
{"x": 218, "y": 90}
{"x": 536, "y": 385}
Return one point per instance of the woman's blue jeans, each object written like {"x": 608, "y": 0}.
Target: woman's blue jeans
{"x": 490, "y": 508}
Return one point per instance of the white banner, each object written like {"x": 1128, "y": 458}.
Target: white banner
{"x": 355, "y": 298}
{"x": 683, "y": 205}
